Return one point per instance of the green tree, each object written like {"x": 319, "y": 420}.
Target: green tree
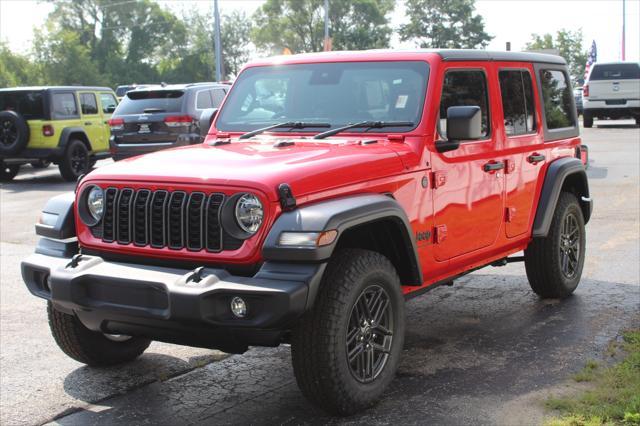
{"x": 235, "y": 33}
{"x": 16, "y": 70}
{"x": 568, "y": 44}
{"x": 444, "y": 24}
{"x": 299, "y": 24}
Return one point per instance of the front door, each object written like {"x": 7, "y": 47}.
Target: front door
{"x": 469, "y": 181}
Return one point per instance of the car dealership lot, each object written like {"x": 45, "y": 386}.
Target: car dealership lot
{"x": 484, "y": 351}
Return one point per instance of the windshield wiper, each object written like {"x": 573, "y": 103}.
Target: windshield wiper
{"x": 366, "y": 124}
{"x": 290, "y": 124}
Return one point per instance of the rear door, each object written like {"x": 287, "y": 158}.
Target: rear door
{"x": 92, "y": 121}
{"x": 523, "y": 141}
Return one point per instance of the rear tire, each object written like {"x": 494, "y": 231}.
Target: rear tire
{"x": 554, "y": 263}
{"x": 75, "y": 162}
{"x": 587, "y": 119}
{"x": 91, "y": 347}
{"x": 8, "y": 171}
{"x": 359, "y": 310}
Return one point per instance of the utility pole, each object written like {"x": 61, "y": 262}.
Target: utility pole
{"x": 327, "y": 40}
{"x": 623, "y": 28}
{"x": 218, "y": 58}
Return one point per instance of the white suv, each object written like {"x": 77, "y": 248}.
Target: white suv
{"x": 612, "y": 90}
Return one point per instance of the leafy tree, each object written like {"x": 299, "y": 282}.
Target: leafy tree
{"x": 16, "y": 70}
{"x": 444, "y": 24}
{"x": 568, "y": 44}
{"x": 235, "y": 33}
{"x": 299, "y": 24}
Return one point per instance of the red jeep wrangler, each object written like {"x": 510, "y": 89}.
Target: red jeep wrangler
{"x": 331, "y": 188}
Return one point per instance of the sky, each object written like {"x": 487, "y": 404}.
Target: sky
{"x": 506, "y": 20}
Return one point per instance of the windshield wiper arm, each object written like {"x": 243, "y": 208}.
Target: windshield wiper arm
{"x": 366, "y": 124}
{"x": 290, "y": 124}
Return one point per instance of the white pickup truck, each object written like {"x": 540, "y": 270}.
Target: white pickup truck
{"x": 612, "y": 90}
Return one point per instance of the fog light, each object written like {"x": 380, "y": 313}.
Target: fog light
{"x": 238, "y": 307}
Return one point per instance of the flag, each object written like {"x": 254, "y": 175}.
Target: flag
{"x": 592, "y": 57}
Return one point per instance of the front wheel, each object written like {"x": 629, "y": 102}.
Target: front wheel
{"x": 554, "y": 263}
{"x": 346, "y": 349}
{"x": 587, "y": 119}
{"x": 91, "y": 347}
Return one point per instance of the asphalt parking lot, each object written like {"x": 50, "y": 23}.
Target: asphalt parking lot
{"x": 485, "y": 351}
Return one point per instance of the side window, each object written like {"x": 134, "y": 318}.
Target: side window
{"x": 88, "y": 103}
{"x": 464, "y": 88}
{"x": 557, "y": 96}
{"x": 517, "y": 102}
{"x": 64, "y": 105}
{"x": 218, "y": 96}
{"x": 109, "y": 103}
{"x": 203, "y": 100}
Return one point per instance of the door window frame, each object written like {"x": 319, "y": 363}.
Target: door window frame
{"x": 551, "y": 135}
{"x": 95, "y": 98}
{"x": 534, "y": 87}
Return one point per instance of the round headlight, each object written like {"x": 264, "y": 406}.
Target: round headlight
{"x": 249, "y": 213}
{"x": 95, "y": 202}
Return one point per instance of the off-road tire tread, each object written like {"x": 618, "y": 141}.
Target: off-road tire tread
{"x": 543, "y": 269}
{"x": 587, "y": 119}
{"x": 90, "y": 347}
{"x": 316, "y": 371}
{"x": 65, "y": 165}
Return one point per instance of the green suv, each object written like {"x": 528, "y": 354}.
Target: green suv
{"x": 67, "y": 126}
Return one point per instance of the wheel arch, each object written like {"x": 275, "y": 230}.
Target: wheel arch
{"x": 373, "y": 222}
{"x": 565, "y": 174}
{"x": 70, "y": 133}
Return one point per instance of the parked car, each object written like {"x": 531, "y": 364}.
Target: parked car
{"x": 577, "y": 96}
{"x": 156, "y": 118}
{"x": 64, "y": 125}
{"x": 365, "y": 179}
{"x": 122, "y": 90}
{"x": 612, "y": 90}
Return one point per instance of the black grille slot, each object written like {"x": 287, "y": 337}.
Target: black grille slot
{"x": 214, "y": 231}
{"x": 141, "y": 217}
{"x": 157, "y": 218}
{"x": 108, "y": 220}
{"x": 175, "y": 215}
{"x": 195, "y": 221}
{"x": 161, "y": 218}
{"x": 123, "y": 217}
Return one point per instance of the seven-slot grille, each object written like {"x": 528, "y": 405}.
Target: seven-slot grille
{"x": 161, "y": 218}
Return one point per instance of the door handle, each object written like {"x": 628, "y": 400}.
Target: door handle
{"x": 88, "y": 123}
{"x": 492, "y": 167}
{"x": 536, "y": 158}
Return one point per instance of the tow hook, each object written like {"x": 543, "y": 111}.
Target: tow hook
{"x": 196, "y": 275}
{"x": 75, "y": 260}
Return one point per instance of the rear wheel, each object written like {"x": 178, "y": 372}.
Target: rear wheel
{"x": 587, "y": 119}
{"x": 75, "y": 162}
{"x": 554, "y": 263}
{"x": 8, "y": 171}
{"x": 91, "y": 347}
{"x": 346, "y": 349}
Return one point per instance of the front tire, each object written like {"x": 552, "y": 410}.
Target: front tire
{"x": 346, "y": 349}
{"x": 91, "y": 347}
{"x": 554, "y": 263}
{"x": 587, "y": 119}
{"x": 75, "y": 162}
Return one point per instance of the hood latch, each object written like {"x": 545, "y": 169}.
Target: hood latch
{"x": 287, "y": 200}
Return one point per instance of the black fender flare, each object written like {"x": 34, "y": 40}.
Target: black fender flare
{"x": 340, "y": 214}
{"x": 57, "y": 226}
{"x": 65, "y": 137}
{"x": 561, "y": 171}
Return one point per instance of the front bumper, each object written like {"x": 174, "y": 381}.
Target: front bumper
{"x": 171, "y": 304}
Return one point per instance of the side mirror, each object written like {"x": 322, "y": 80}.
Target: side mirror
{"x": 206, "y": 119}
{"x": 110, "y": 109}
{"x": 463, "y": 123}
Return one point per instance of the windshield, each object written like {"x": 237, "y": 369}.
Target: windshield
{"x": 139, "y": 101}
{"x": 29, "y": 104}
{"x": 336, "y": 93}
{"x": 628, "y": 71}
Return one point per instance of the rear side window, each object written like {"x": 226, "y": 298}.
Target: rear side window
{"x": 88, "y": 103}
{"x": 150, "y": 101}
{"x": 558, "y": 97}
{"x": 64, "y": 105}
{"x": 203, "y": 100}
{"x": 615, "y": 72}
{"x": 517, "y": 102}
{"x": 218, "y": 97}
{"x": 108, "y": 102}
{"x": 28, "y": 104}
{"x": 464, "y": 88}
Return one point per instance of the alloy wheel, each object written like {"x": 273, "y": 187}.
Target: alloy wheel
{"x": 8, "y": 133}
{"x": 569, "y": 246}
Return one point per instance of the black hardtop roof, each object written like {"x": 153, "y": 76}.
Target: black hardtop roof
{"x": 488, "y": 55}
{"x": 54, "y": 88}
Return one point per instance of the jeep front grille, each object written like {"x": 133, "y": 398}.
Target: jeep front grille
{"x": 161, "y": 219}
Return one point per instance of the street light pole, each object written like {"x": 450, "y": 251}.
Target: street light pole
{"x": 623, "y": 28}
{"x": 218, "y": 58}
{"x": 327, "y": 41}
